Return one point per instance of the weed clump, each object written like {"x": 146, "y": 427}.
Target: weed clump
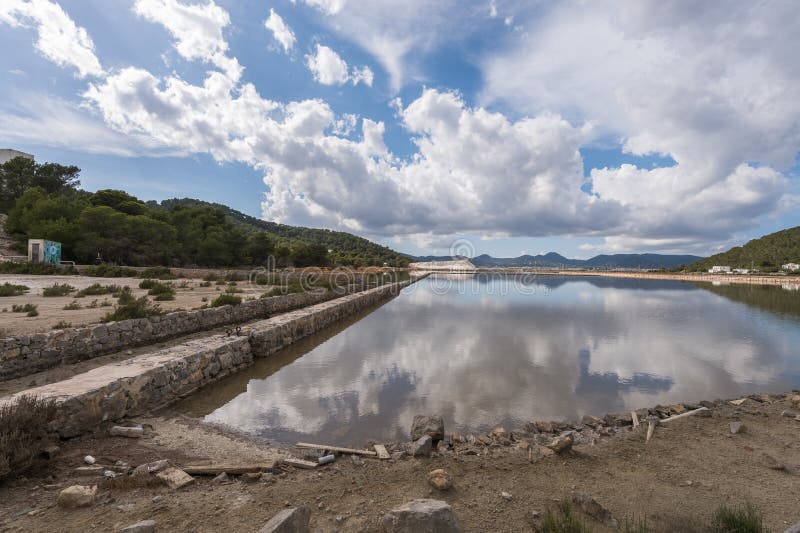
{"x": 23, "y": 432}
{"x": 128, "y": 307}
{"x": 8, "y": 289}
{"x": 58, "y": 289}
{"x": 28, "y": 309}
{"x": 226, "y": 299}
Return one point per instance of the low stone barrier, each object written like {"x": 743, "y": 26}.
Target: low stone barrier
{"x": 27, "y": 354}
{"x": 153, "y": 380}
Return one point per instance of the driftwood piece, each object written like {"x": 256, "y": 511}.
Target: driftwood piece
{"x": 635, "y": 419}
{"x": 684, "y": 415}
{"x": 335, "y": 449}
{"x": 217, "y": 469}
{"x": 300, "y": 463}
{"x": 652, "y": 422}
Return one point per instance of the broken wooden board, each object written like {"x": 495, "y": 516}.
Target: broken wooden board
{"x": 299, "y": 463}
{"x": 380, "y": 449}
{"x": 635, "y": 419}
{"x": 684, "y": 415}
{"x": 740, "y": 401}
{"x": 235, "y": 470}
{"x": 335, "y": 449}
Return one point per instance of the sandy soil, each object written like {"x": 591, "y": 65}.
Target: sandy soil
{"x": 51, "y": 309}
{"x": 676, "y": 481}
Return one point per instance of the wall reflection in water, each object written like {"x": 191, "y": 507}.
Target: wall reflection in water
{"x": 489, "y": 350}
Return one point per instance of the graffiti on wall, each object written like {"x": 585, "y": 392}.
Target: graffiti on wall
{"x": 52, "y": 252}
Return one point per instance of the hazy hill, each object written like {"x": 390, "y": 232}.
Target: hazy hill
{"x": 767, "y": 253}
{"x": 338, "y": 241}
{"x": 554, "y": 260}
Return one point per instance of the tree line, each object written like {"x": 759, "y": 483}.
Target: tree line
{"x": 44, "y": 201}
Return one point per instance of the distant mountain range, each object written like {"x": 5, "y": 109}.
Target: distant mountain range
{"x": 554, "y": 260}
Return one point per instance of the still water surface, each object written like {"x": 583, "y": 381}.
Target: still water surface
{"x": 497, "y": 350}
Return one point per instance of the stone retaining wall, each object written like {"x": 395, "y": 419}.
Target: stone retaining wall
{"x": 27, "y": 354}
{"x": 153, "y": 380}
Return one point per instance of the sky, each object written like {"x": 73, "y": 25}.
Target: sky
{"x": 434, "y": 127}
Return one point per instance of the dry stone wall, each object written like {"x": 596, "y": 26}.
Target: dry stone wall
{"x": 153, "y": 380}
{"x": 27, "y": 354}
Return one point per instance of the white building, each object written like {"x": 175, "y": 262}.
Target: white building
{"x": 7, "y": 154}
{"x": 718, "y": 269}
{"x": 791, "y": 267}
{"x": 741, "y": 270}
{"x": 459, "y": 265}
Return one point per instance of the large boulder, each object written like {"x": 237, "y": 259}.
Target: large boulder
{"x": 422, "y": 446}
{"x": 77, "y": 496}
{"x": 432, "y": 426}
{"x": 421, "y": 516}
{"x": 293, "y": 520}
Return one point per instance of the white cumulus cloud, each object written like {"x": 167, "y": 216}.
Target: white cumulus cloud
{"x": 282, "y": 33}
{"x": 59, "y": 39}
{"x": 329, "y": 68}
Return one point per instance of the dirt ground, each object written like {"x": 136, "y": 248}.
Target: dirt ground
{"x": 189, "y": 295}
{"x": 675, "y": 481}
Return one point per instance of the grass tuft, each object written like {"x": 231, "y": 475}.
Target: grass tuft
{"x": 745, "y": 518}
{"x": 226, "y": 299}
{"x": 8, "y": 289}
{"x": 23, "y": 432}
{"x": 58, "y": 289}
{"x": 562, "y": 519}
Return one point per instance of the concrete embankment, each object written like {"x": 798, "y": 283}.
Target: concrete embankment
{"x": 26, "y": 354}
{"x": 152, "y": 380}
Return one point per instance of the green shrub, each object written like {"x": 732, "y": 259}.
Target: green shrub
{"x": 128, "y": 307}
{"x": 74, "y": 306}
{"x": 235, "y": 276}
{"x": 7, "y": 289}
{"x": 157, "y": 273}
{"x": 210, "y": 277}
{"x": 226, "y": 299}
{"x": 160, "y": 291}
{"x": 58, "y": 289}
{"x": 738, "y": 519}
{"x": 96, "y": 289}
{"x": 291, "y": 288}
{"x": 28, "y": 309}
{"x": 562, "y": 519}
{"x": 105, "y": 270}
{"x": 205, "y": 284}
{"x": 7, "y": 267}
{"x": 62, "y": 324}
{"x": 23, "y": 432}
{"x": 221, "y": 282}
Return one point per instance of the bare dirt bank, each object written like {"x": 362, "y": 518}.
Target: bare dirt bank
{"x": 677, "y": 480}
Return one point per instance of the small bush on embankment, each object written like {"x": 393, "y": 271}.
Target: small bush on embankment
{"x": 8, "y": 289}
{"x": 157, "y": 273}
{"x": 291, "y": 288}
{"x": 562, "y": 519}
{"x": 23, "y": 432}
{"x": 58, "y": 289}
{"x": 128, "y": 307}
{"x": 104, "y": 270}
{"x": 160, "y": 291}
{"x": 96, "y": 289}
{"x": 226, "y": 299}
{"x": 7, "y": 267}
{"x": 29, "y": 309}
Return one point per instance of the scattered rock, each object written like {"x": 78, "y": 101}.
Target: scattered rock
{"x": 422, "y": 446}
{"x": 89, "y": 460}
{"x": 544, "y": 427}
{"x": 294, "y": 520}
{"x": 140, "y": 471}
{"x": 772, "y": 463}
{"x": 357, "y": 460}
{"x": 506, "y": 496}
{"x": 221, "y": 478}
{"x": 498, "y": 433}
{"x": 788, "y": 413}
{"x": 396, "y": 456}
{"x": 590, "y": 420}
{"x": 157, "y": 466}
{"x": 157, "y": 499}
{"x": 175, "y": 478}
{"x": 737, "y": 427}
{"x": 77, "y": 496}
{"x": 793, "y": 529}
{"x": 89, "y": 470}
{"x": 532, "y": 518}
{"x": 421, "y": 516}
{"x": 590, "y": 506}
{"x": 50, "y": 451}
{"x": 133, "y": 432}
{"x": 544, "y": 451}
{"x": 433, "y": 426}
{"x": 796, "y": 401}
{"x": 145, "y": 526}
{"x": 440, "y": 479}
{"x": 457, "y": 437}
{"x": 562, "y": 443}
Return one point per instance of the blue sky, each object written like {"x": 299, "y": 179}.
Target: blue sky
{"x": 514, "y": 127}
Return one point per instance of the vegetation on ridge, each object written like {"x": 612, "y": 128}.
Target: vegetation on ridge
{"x": 766, "y": 253}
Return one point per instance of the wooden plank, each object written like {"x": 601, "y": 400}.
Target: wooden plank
{"x": 380, "y": 449}
{"x": 684, "y": 415}
{"x": 334, "y": 448}
{"x": 299, "y": 463}
{"x": 635, "y": 419}
{"x": 216, "y": 469}
{"x": 651, "y": 427}
{"x": 740, "y": 401}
